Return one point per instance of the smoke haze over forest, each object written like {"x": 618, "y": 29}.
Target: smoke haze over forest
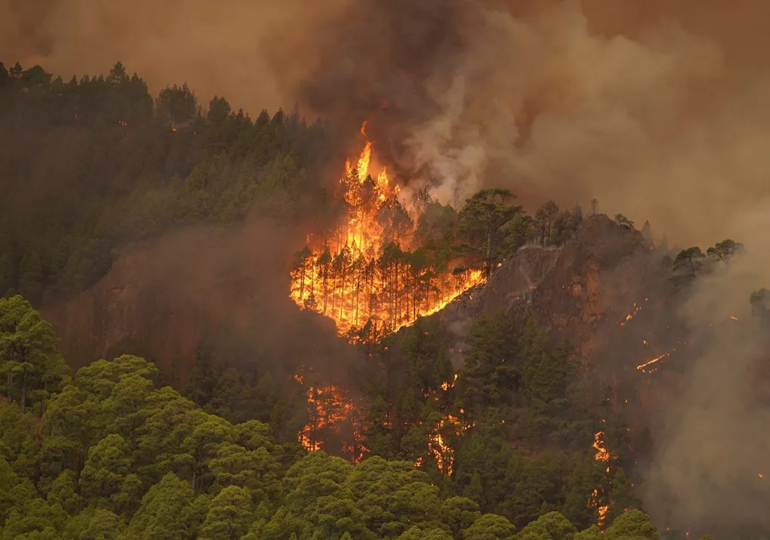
{"x": 654, "y": 108}
{"x": 658, "y": 109}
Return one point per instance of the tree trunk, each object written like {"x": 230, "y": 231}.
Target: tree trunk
{"x": 23, "y": 399}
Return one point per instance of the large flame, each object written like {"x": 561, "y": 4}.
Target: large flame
{"x": 357, "y": 273}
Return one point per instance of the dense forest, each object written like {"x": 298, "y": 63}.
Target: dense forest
{"x": 516, "y": 443}
{"x": 109, "y": 453}
{"x": 91, "y": 165}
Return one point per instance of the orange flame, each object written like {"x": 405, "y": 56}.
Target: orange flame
{"x": 636, "y": 309}
{"x": 352, "y": 275}
{"x": 446, "y": 385}
{"x": 602, "y": 454}
{"x": 439, "y": 448}
{"x": 643, "y": 367}
{"x": 329, "y": 409}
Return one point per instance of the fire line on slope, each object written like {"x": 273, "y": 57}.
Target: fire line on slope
{"x": 357, "y": 273}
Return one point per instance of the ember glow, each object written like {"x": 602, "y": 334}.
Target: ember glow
{"x": 329, "y": 409}
{"x": 636, "y": 309}
{"x": 441, "y": 451}
{"x": 447, "y": 426}
{"x": 645, "y": 367}
{"x": 600, "y": 509}
{"x": 601, "y": 455}
{"x": 361, "y": 271}
{"x": 446, "y": 385}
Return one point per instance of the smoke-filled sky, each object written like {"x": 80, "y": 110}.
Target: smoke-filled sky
{"x": 657, "y": 108}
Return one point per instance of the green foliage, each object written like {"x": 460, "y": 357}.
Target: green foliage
{"x": 550, "y": 526}
{"x": 29, "y": 359}
{"x": 229, "y": 515}
{"x": 632, "y": 524}
{"x": 122, "y": 459}
{"x": 489, "y": 527}
{"x": 482, "y": 221}
{"x": 164, "y": 511}
{"x": 725, "y": 249}
{"x": 118, "y": 166}
{"x": 491, "y": 370}
{"x": 688, "y": 259}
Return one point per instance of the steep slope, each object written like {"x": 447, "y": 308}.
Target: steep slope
{"x": 161, "y": 297}
{"x": 604, "y": 292}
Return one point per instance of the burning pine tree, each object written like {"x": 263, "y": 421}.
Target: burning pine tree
{"x": 379, "y": 268}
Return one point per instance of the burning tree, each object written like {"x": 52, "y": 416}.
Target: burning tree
{"x": 365, "y": 270}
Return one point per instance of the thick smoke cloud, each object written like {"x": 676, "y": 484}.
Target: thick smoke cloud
{"x": 656, "y": 109}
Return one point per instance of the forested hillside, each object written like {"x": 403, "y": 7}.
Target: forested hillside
{"x": 90, "y": 165}
{"x": 283, "y": 428}
{"x": 110, "y": 454}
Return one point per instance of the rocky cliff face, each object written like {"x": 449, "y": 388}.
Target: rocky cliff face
{"x": 161, "y": 297}
{"x": 604, "y": 292}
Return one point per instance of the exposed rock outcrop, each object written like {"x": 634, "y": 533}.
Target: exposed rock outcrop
{"x": 603, "y": 291}
{"x": 161, "y": 297}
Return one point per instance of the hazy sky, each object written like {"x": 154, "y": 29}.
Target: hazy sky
{"x": 655, "y": 107}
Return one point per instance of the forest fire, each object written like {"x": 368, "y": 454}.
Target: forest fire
{"x": 601, "y": 510}
{"x": 357, "y": 273}
{"x": 601, "y": 455}
{"x": 440, "y": 449}
{"x": 446, "y": 385}
{"x": 328, "y": 410}
{"x": 636, "y": 309}
{"x": 645, "y": 367}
